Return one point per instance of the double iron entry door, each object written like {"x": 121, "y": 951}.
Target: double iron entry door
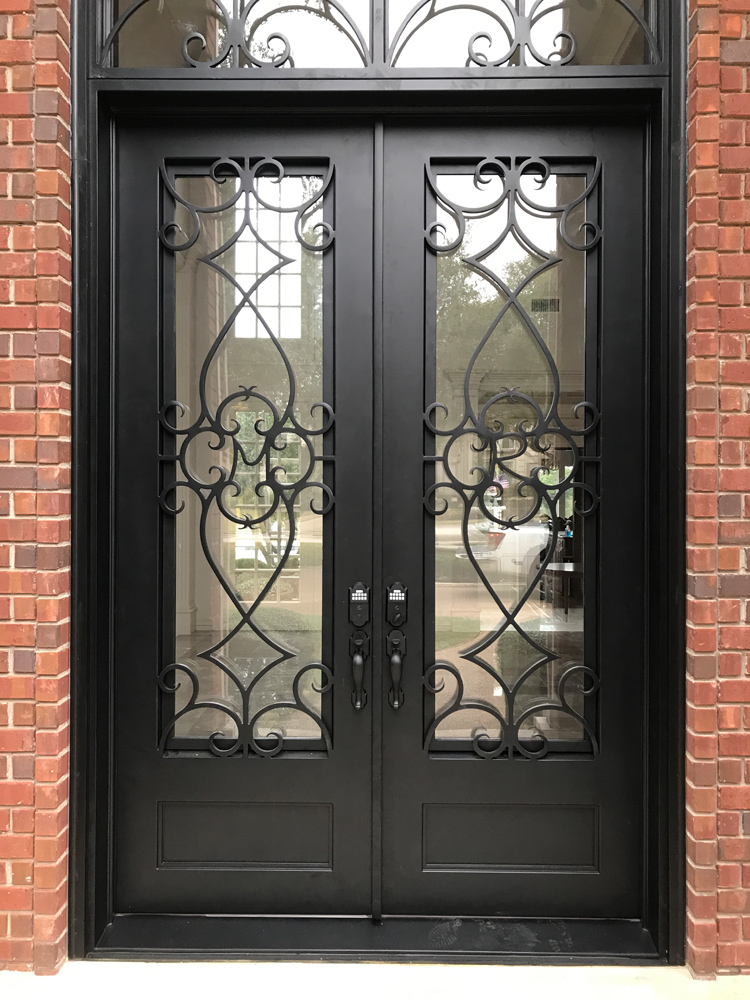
{"x": 379, "y": 539}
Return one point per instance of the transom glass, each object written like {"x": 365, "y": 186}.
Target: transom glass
{"x": 395, "y": 34}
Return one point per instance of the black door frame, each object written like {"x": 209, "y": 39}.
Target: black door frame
{"x": 100, "y": 97}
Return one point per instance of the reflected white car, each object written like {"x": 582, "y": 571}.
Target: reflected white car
{"x": 513, "y": 554}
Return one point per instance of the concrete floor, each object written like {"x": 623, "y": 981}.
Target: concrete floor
{"x": 211, "y": 981}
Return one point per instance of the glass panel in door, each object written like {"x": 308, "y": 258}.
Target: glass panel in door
{"x": 247, "y": 426}
{"x": 510, "y": 427}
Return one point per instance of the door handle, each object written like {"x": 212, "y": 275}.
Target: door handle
{"x": 396, "y": 648}
{"x": 359, "y": 648}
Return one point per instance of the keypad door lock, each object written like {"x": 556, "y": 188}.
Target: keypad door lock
{"x": 395, "y": 611}
{"x": 359, "y": 605}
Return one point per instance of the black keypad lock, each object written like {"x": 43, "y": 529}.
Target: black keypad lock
{"x": 359, "y": 605}
{"x": 395, "y": 611}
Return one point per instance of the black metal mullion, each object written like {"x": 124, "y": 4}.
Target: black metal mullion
{"x": 377, "y": 523}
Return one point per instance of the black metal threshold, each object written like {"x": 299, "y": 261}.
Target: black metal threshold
{"x": 396, "y": 939}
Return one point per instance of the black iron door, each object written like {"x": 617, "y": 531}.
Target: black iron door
{"x": 398, "y": 368}
{"x": 243, "y": 363}
{"x": 514, "y": 474}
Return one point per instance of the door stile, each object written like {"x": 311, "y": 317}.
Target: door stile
{"x": 377, "y": 523}
{"x": 403, "y": 549}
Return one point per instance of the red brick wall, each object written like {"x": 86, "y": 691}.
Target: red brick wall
{"x": 34, "y": 479}
{"x": 718, "y": 739}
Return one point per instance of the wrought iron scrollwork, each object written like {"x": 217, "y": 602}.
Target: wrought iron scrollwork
{"x": 214, "y": 428}
{"x": 241, "y": 34}
{"x": 511, "y": 722}
{"x": 244, "y": 35}
{"x": 500, "y": 446}
{"x": 516, "y": 31}
{"x": 245, "y": 721}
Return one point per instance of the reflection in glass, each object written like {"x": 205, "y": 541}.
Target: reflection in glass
{"x": 249, "y": 380}
{"x": 305, "y": 34}
{"x": 509, "y": 428}
{"x": 454, "y": 33}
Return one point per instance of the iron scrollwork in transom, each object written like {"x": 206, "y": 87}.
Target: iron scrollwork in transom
{"x": 242, "y": 33}
{"x": 336, "y": 34}
{"x": 520, "y": 33}
{"x": 503, "y": 189}
{"x": 216, "y": 428}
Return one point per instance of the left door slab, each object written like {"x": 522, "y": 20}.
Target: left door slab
{"x": 242, "y": 282}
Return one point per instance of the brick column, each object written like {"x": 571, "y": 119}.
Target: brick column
{"x": 718, "y": 739}
{"x": 34, "y": 479}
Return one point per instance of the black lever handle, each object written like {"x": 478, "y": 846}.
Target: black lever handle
{"x": 396, "y": 647}
{"x": 396, "y": 694}
{"x": 359, "y": 648}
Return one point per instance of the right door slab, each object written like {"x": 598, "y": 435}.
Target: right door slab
{"x": 515, "y": 451}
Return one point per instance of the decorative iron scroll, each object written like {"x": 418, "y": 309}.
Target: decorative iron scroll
{"x": 499, "y": 446}
{"x": 516, "y": 31}
{"x": 243, "y": 33}
{"x": 212, "y": 427}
